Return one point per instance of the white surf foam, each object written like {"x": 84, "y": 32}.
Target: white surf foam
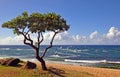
{"x": 4, "y": 48}
{"x": 86, "y": 61}
{"x": 54, "y": 56}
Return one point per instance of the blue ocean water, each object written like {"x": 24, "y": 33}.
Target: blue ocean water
{"x": 77, "y": 54}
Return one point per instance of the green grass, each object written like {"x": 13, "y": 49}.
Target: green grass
{"x": 78, "y": 74}
{"x": 111, "y": 66}
{"x": 7, "y": 71}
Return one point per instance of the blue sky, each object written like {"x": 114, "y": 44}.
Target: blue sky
{"x": 86, "y": 17}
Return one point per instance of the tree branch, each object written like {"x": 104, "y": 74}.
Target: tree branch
{"x": 38, "y": 44}
{"x": 28, "y": 39}
{"x": 23, "y": 29}
{"x": 50, "y": 46}
{"x": 41, "y": 39}
{"x": 27, "y": 32}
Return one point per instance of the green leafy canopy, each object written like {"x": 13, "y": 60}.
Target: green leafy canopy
{"x": 36, "y": 23}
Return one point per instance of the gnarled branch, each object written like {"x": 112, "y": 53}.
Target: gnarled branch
{"x": 28, "y": 39}
{"x": 41, "y": 38}
{"x": 51, "y": 43}
{"x": 38, "y": 44}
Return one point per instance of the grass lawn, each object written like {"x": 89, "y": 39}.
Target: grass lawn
{"x": 7, "y": 71}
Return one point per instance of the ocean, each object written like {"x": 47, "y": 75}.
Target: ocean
{"x": 88, "y": 55}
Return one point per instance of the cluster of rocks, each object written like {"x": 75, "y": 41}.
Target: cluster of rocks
{"x": 10, "y": 61}
{"x": 15, "y": 62}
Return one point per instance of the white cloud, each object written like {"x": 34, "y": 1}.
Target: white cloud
{"x": 111, "y": 37}
{"x": 113, "y": 33}
{"x": 18, "y": 40}
{"x": 76, "y": 37}
{"x": 49, "y": 35}
{"x": 93, "y": 35}
{"x": 12, "y": 40}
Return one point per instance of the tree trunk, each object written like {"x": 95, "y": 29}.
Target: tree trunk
{"x": 43, "y": 64}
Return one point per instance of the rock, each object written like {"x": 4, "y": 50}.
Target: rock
{"x": 29, "y": 65}
{"x": 13, "y": 62}
{"x": 5, "y": 61}
{"x": 10, "y": 61}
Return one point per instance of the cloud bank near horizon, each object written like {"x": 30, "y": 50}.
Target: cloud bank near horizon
{"x": 112, "y": 37}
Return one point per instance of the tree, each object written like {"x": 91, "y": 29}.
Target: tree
{"x": 37, "y": 23}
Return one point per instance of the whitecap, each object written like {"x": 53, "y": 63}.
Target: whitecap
{"x": 19, "y": 49}
{"x": 4, "y": 48}
{"x": 82, "y": 50}
{"x": 55, "y": 55}
{"x": 29, "y": 59}
{"x": 117, "y": 62}
{"x": 86, "y": 61}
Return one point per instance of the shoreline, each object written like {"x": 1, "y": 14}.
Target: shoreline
{"x": 72, "y": 70}
{"x": 97, "y": 72}
{"x": 103, "y": 64}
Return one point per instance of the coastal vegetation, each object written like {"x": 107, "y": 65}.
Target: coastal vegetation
{"x": 111, "y": 66}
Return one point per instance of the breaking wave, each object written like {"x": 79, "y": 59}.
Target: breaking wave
{"x": 86, "y": 61}
{"x": 4, "y": 48}
{"x": 55, "y": 55}
{"x": 91, "y": 61}
{"x": 18, "y": 49}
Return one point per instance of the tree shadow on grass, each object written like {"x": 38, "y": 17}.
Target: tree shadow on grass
{"x": 18, "y": 65}
{"x": 57, "y": 72}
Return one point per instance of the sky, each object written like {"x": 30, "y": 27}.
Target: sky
{"x": 92, "y": 22}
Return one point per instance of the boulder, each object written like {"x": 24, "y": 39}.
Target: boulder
{"x": 10, "y": 61}
{"x": 29, "y": 65}
{"x": 13, "y": 62}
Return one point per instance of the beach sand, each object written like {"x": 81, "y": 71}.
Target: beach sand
{"x": 96, "y": 72}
